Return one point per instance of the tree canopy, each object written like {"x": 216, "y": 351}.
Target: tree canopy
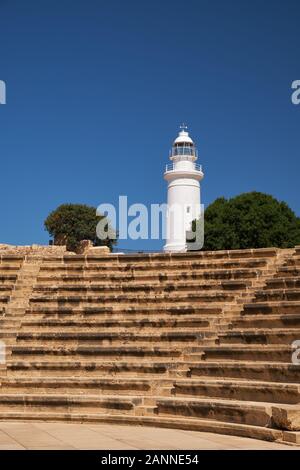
{"x": 250, "y": 220}
{"x": 69, "y": 224}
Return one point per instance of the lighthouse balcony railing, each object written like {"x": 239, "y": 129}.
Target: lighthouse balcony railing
{"x": 173, "y": 167}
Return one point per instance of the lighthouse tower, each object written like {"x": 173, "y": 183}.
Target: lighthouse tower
{"x": 183, "y": 176}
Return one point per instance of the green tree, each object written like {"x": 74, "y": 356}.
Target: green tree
{"x": 250, "y": 220}
{"x": 69, "y": 224}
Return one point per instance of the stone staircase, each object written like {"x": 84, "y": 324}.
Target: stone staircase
{"x": 26, "y": 271}
{"x": 199, "y": 341}
{"x": 9, "y": 270}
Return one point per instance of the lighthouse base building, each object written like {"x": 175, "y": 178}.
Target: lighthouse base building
{"x": 183, "y": 175}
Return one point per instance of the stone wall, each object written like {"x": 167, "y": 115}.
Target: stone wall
{"x": 87, "y": 247}
{"x": 33, "y": 249}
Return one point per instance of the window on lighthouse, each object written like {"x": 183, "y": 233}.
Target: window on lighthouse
{"x": 184, "y": 149}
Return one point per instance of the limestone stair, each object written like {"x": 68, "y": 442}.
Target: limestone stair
{"x": 196, "y": 341}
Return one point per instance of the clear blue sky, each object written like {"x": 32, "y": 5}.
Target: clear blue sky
{"x": 96, "y": 91}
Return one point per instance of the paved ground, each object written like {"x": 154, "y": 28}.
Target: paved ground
{"x": 20, "y": 436}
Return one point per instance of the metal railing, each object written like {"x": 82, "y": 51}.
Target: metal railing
{"x": 172, "y": 167}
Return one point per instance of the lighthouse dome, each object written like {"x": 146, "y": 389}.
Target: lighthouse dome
{"x": 183, "y": 138}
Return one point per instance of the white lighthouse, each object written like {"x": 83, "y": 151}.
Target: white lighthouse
{"x": 183, "y": 176}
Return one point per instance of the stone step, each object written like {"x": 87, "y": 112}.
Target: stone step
{"x": 235, "y": 389}
{"x": 68, "y": 403}
{"x": 9, "y": 269}
{"x": 80, "y": 385}
{"x": 8, "y": 279}
{"x": 274, "y": 307}
{"x": 135, "y": 261}
{"x": 144, "y": 257}
{"x": 88, "y": 334}
{"x": 233, "y": 411}
{"x": 173, "y": 267}
{"x": 112, "y": 337}
{"x": 293, "y": 260}
{"x": 163, "y": 324}
{"x": 270, "y": 353}
{"x": 19, "y": 303}
{"x": 131, "y": 319}
{"x": 11, "y": 257}
{"x": 85, "y": 288}
{"x": 77, "y": 352}
{"x": 134, "y": 299}
{"x": 280, "y": 283}
{"x": 114, "y": 313}
{"x": 262, "y": 337}
{"x": 142, "y": 342}
{"x": 277, "y": 294}
{"x": 288, "y": 271}
{"x": 178, "y": 422}
{"x": 12, "y": 310}
{"x": 215, "y": 388}
{"x": 267, "y": 321}
{"x": 271, "y": 372}
{"x": 247, "y": 370}
{"x": 134, "y": 277}
{"x": 111, "y": 327}
{"x": 218, "y": 254}
{"x": 9, "y": 315}
{"x": 8, "y": 265}
{"x": 8, "y": 287}
{"x": 130, "y": 367}
{"x": 23, "y": 287}
{"x": 17, "y": 295}
{"x": 7, "y": 325}
{"x": 7, "y": 334}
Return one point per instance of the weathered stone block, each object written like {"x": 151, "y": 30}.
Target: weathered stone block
{"x": 287, "y": 418}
